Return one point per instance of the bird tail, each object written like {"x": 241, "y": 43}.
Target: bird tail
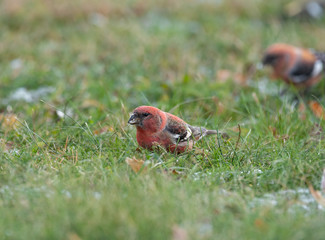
{"x": 211, "y": 132}
{"x": 224, "y": 135}
{"x": 199, "y": 132}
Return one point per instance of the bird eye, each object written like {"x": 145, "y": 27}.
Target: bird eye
{"x": 146, "y": 114}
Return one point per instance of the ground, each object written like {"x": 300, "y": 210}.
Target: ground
{"x": 71, "y": 73}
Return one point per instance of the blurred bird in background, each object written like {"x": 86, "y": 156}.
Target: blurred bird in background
{"x": 299, "y": 67}
{"x": 304, "y": 9}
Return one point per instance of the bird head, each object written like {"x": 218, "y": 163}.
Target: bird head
{"x": 147, "y": 117}
{"x": 277, "y": 54}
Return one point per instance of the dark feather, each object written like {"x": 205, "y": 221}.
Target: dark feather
{"x": 301, "y": 72}
{"x": 179, "y": 131}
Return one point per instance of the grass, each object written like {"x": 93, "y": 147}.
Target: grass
{"x": 66, "y": 177}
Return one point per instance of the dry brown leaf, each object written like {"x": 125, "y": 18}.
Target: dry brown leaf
{"x": 8, "y": 121}
{"x": 317, "y": 109}
{"x": 135, "y": 164}
{"x": 179, "y": 233}
{"x": 317, "y": 195}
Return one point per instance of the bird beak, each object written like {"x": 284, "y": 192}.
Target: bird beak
{"x": 134, "y": 120}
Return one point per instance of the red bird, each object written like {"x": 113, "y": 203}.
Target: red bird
{"x": 155, "y": 127}
{"x": 296, "y": 66}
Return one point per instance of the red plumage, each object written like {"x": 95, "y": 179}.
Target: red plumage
{"x": 156, "y": 127}
{"x": 296, "y": 66}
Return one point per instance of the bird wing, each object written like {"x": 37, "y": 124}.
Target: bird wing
{"x": 177, "y": 129}
{"x": 301, "y": 72}
{"x": 181, "y": 132}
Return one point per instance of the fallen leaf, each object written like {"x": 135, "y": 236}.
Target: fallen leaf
{"x": 135, "y": 164}
{"x": 179, "y": 233}
{"x": 317, "y": 109}
{"x": 317, "y": 195}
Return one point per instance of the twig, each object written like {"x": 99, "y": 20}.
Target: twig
{"x": 239, "y": 134}
{"x": 66, "y": 144}
{"x": 316, "y": 195}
